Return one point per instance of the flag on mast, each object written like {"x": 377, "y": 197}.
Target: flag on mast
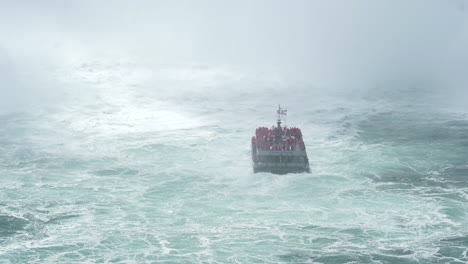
{"x": 282, "y": 112}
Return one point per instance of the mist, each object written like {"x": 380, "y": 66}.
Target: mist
{"x": 126, "y": 131}
{"x": 322, "y": 45}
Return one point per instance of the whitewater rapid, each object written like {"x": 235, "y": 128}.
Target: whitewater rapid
{"x": 126, "y": 169}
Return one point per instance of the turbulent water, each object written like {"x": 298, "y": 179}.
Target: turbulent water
{"x": 114, "y": 170}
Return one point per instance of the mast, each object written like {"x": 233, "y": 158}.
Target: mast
{"x": 279, "y": 116}
{"x": 279, "y": 133}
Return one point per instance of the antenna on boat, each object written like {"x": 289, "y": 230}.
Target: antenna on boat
{"x": 279, "y": 131}
{"x": 279, "y": 116}
{"x": 281, "y": 112}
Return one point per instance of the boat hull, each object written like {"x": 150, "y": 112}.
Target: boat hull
{"x": 280, "y": 162}
{"x": 276, "y": 168}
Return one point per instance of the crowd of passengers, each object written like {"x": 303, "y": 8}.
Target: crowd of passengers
{"x": 265, "y": 139}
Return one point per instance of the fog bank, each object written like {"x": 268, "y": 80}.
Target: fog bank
{"x": 350, "y": 45}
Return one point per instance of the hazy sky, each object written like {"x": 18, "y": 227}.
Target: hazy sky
{"x": 361, "y": 41}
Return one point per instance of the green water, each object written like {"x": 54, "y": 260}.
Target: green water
{"x": 146, "y": 177}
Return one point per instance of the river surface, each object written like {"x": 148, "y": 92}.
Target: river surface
{"x": 135, "y": 165}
